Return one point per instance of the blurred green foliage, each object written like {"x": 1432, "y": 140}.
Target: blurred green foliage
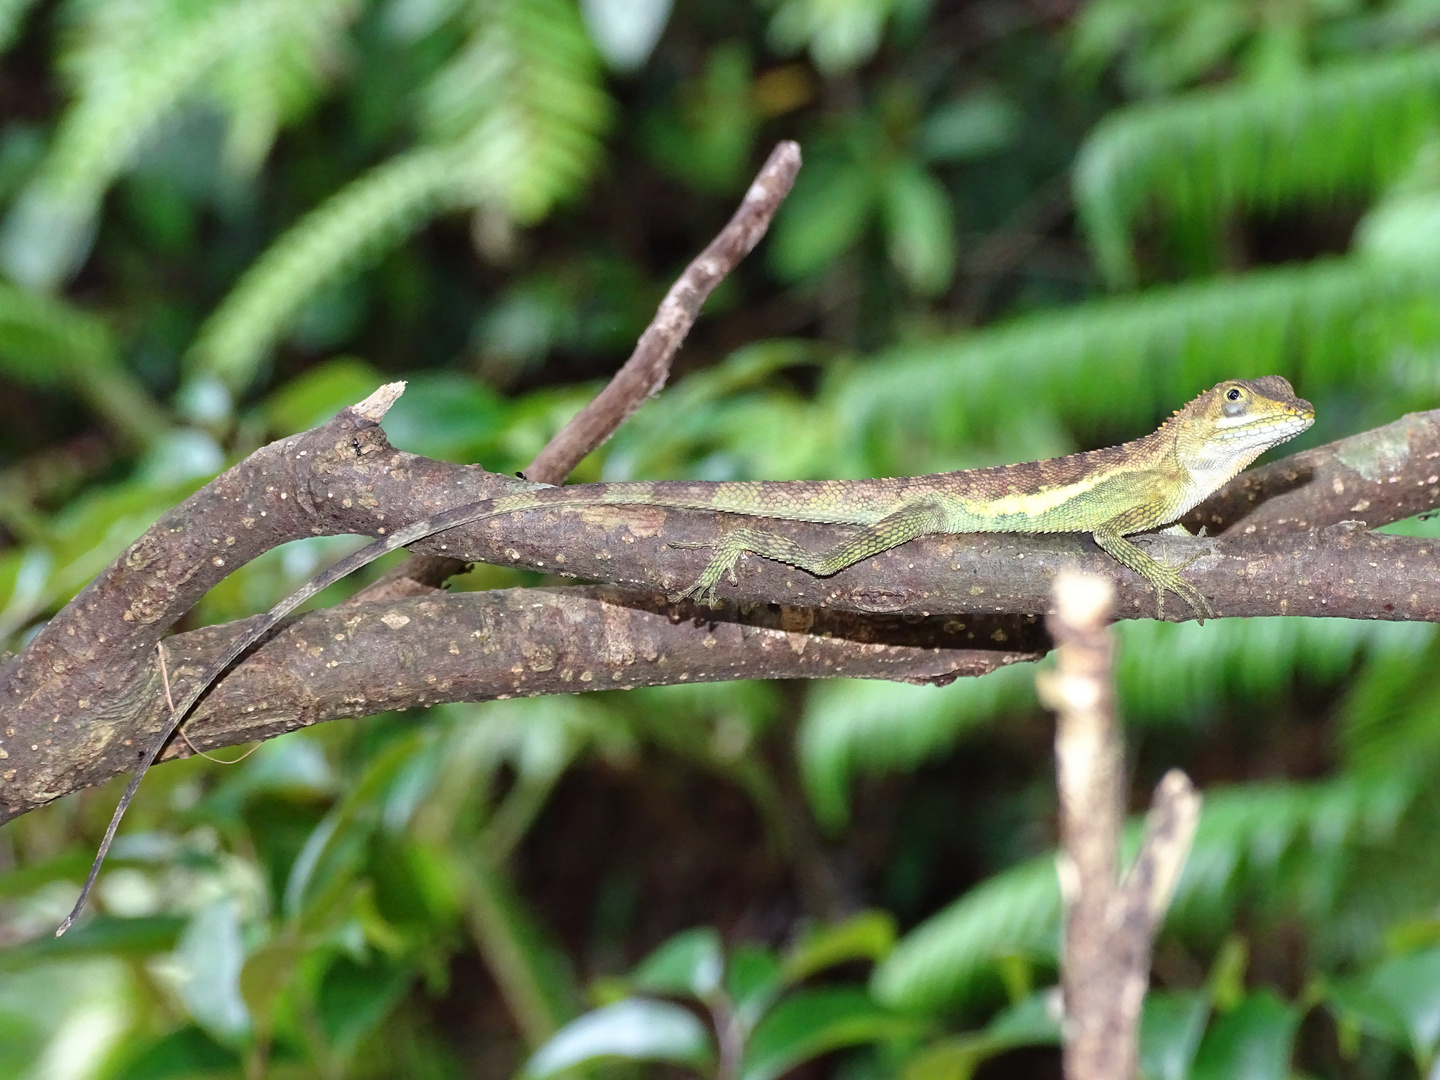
{"x": 1021, "y": 229}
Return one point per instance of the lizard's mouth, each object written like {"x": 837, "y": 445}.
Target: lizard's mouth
{"x": 1270, "y": 430}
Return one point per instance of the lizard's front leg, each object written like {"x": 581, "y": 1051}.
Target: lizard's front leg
{"x": 904, "y": 524}
{"x": 1158, "y": 574}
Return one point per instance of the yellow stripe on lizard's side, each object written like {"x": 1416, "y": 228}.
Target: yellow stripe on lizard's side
{"x": 1031, "y": 503}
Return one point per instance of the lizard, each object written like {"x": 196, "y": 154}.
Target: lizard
{"x": 1111, "y": 494}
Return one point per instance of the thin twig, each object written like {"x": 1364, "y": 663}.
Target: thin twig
{"x": 643, "y": 375}
{"x": 1109, "y": 927}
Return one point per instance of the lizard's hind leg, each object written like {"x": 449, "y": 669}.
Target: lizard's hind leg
{"x": 904, "y": 524}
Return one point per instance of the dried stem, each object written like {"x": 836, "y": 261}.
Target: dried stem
{"x": 1109, "y": 926}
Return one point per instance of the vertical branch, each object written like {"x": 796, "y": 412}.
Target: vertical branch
{"x": 1109, "y": 925}
{"x": 644, "y": 374}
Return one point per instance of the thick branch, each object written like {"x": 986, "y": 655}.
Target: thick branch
{"x": 363, "y": 658}
{"x": 1342, "y": 571}
{"x": 84, "y": 685}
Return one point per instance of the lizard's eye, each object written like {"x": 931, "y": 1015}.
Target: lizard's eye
{"x": 1233, "y": 394}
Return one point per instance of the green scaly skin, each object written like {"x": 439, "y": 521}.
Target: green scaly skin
{"x": 1110, "y": 494}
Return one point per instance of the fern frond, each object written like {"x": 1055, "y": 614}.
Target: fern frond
{"x": 517, "y": 117}
{"x": 46, "y": 342}
{"x": 526, "y": 95}
{"x": 1121, "y": 360}
{"x": 1390, "y": 715}
{"x": 279, "y": 77}
{"x": 944, "y": 961}
{"x": 355, "y": 225}
{"x": 135, "y": 63}
{"x": 1346, "y": 130}
{"x": 856, "y": 724}
{"x": 1166, "y": 673}
{"x": 1165, "y": 668}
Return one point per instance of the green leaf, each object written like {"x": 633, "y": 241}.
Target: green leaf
{"x": 1252, "y": 1042}
{"x": 448, "y": 416}
{"x": 921, "y": 229}
{"x": 689, "y": 964}
{"x": 869, "y": 935}
{"x": 413, "y": 880}
{"x": 69, "y": 865}
{"x": 1030, "y": 1022}
{"x": 211, "y": 958}
{"x": 1358, "y": 1007}
{"x": 626, "y": 30}
{"x": 267, "y": 973}
{"x": 952, "y": 955}
{"x": 180, "y": 1055}
{"x": 354, "y": 998}
{"x": 1411, "y": 986}
{"x": 1170, "y": 1031}
{"x": 968, "y": 127}
{"x": 839, "y": 33}
{"x": 752, "y": 980}
{"x": 823, "y": 218}
{"x": 318, "y": 393}
{"x": 327, "y": 869}
{"x": 636, "y": 1029}
{"x": 814, "y": 1022}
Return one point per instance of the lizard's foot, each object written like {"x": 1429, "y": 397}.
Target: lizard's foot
{"x": 722, "y": 565}
{"x": 1169, "y": 580}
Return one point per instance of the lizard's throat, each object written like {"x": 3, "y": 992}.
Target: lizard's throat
{"x": 1211, "y": 470}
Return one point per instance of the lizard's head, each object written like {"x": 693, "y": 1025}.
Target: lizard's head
{"x": 1236, "y": 421}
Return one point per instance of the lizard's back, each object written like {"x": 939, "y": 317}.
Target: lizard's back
{"x": 1059, "y": 494}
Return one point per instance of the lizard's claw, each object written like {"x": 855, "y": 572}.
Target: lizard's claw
{"x": 1173, "y": 582}
{"x": 722, "y": 565}
{"x": 700, "y": 592}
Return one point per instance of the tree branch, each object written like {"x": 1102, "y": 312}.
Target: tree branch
{"x": 84, "y": 691}
{"x": 363, "y": 658}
